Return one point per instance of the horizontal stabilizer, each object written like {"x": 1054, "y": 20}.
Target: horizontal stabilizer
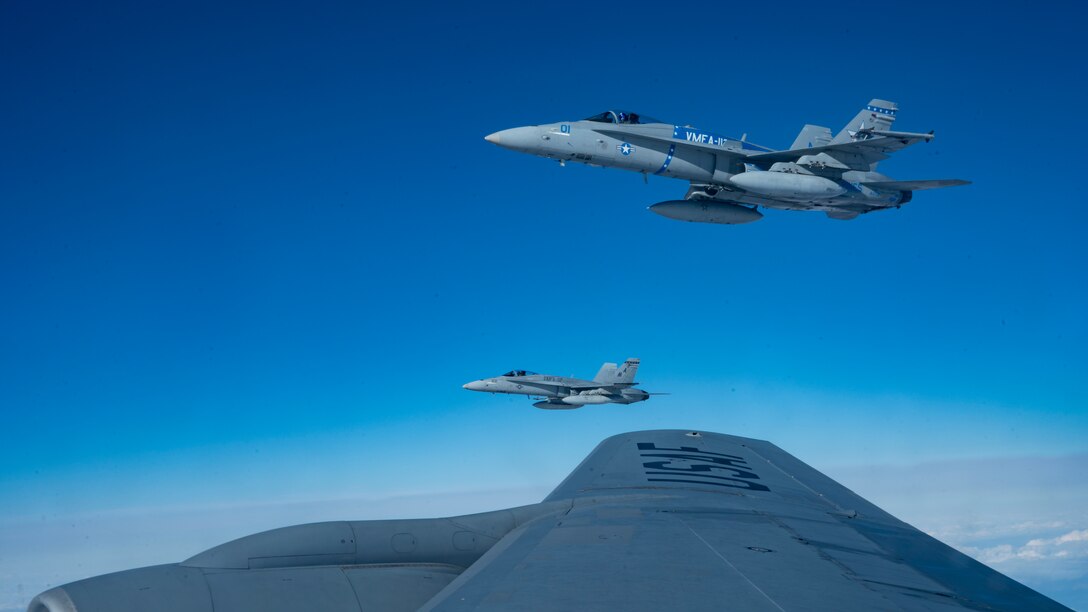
{"x": 927, "y": 136}
{"x": 915, "y": 185}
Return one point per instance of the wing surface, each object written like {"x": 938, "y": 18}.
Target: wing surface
{"x": 565, "y": 383}
{"x": 856, "y": 155}
{"x": 645, "y": 137}
{"x": 536, "y": 384}
{"x": 915, "y": 185}
{"x": 578, "y": 383}
{"x": 673, "y": 520}
{"x": 655, "y": 520}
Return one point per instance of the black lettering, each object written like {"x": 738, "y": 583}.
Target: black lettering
{"x": 683, "y": 449}
{"x": 737, "y": 461}
{"x": 739, "y": 484}
{"x": 698, "y": 467}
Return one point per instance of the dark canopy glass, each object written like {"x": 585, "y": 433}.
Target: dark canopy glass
{"x": 622, "y": 117}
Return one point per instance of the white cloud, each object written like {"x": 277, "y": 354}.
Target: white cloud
{"x": 1039, "y": 560}
{"x": 1021, "y": 515}
{"x": 1071, "y": 545}
{"x": 979, "y": 531}
{"x": 1072, "y": 536}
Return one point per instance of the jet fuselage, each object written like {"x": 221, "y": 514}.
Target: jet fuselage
{"x": 731, "y": 178}
{"x": 642, "y": 148}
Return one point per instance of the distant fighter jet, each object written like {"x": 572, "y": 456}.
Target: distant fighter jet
{"x": 731, "y": 178}
{"x": 650, "y": 520}
{"x": 611, "y": 385}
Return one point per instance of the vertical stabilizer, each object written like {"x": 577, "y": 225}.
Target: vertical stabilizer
{"x": 812, "y": 136}
{"x": 879, "y": 114}
{"x": 606, "y": 374}
{"x": 626, "y": 374}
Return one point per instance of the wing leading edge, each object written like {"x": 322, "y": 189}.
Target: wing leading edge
{"x": 699, "y": 521}
{"x": 855, "y": 155}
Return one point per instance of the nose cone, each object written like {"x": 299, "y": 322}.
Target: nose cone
{"x": 476, "y": 385}
{"x": 519, "y": 139}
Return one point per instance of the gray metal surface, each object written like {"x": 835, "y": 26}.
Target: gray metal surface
{"x": 698, "y": 521}
{"x": 731, "y": 177}
{"x": 654, "y": 520}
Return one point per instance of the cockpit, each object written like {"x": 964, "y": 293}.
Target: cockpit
{"x": 519, "y": 373}
{"x": 622, "y": 117}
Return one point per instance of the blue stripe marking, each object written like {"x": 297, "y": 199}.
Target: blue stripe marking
{"x": 668, "y": 159}
{"x": 883, "y": 111}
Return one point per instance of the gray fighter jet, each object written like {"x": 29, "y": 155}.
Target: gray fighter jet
{"x": 650, "y": 520}
{"x": 611, "y": 385}
{"x": 731, "y": 178}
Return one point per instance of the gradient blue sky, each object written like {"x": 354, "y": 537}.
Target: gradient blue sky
{"x": 249, "y": 254}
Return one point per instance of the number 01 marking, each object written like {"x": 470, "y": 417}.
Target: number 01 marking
{"x": 564, "y": 128}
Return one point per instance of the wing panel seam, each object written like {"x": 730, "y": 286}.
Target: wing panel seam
{"x": 733, "y": 567}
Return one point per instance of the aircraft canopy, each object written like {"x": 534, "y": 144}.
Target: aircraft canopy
{"x": 519, "y": 373}
{"x": 623, "y": 117}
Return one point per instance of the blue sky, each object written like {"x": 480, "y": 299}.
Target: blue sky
{"x": 250, "y": 253}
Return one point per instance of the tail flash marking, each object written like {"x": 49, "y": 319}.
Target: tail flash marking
{"x": 877, "y": 115}
{"x": 626, "y": 374}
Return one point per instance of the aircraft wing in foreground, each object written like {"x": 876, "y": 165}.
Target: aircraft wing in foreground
{"x": 651, "y": 520}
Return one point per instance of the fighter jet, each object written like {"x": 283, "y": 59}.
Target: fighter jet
{"x": 731, "y": 178}
{"x": 650, "y": 520}
{"x": 611, "y": 385}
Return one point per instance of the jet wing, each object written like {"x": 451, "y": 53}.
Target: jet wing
{"x": 557, "y": 383}
{"x": 915, "y": 185}
{"x": 856, "y": 154}
{"x": 589, "y": 384}
{"x": 709, "y": 146}
{"x": 652, "y": 520}
{"x": 673, "y": 520}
